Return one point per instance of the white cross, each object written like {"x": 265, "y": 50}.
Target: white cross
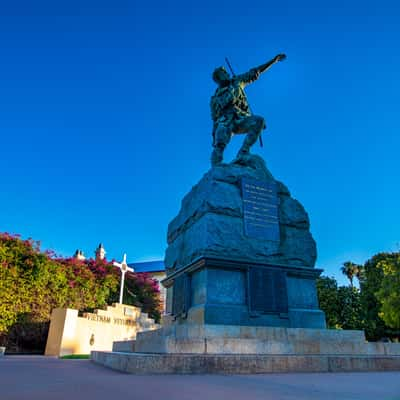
{"x": 123, "y": 266}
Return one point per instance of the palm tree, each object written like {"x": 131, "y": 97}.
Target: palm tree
{"x": 350, "y": 270}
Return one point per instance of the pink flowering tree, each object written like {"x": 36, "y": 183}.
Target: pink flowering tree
{"x": 34, "y": 282}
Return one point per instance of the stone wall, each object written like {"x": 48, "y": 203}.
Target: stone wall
{"x": 71, "y": 334}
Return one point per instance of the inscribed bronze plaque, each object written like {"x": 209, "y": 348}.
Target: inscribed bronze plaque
{"x": 260, "y": 209}
{"x": 181, "y": 296}
{"x": 268, "y": 291}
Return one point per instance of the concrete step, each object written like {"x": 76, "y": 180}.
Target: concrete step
{"x": 261, "y": 346}
{"x": 139, "y": 363}
{"x": 125, "y": 346}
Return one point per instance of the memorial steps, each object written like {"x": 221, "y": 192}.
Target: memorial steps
{"x": 224, "y": 339}
{"x": 201, "y": 349}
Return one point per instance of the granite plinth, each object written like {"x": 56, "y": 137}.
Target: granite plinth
{"x": 239, "y": 292}
{"x": 137, "y": 363}
{"x": 223, "y": 339}
{"x": 201, "y": 349}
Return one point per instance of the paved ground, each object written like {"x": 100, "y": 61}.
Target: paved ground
{"x": 43, "y": 378}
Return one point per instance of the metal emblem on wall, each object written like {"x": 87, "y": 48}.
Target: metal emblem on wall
{"x": 260, "y": 209}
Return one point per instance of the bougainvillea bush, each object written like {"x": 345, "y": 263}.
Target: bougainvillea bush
{"x": 33, "y": 282}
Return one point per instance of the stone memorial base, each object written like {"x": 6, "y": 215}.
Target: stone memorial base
{"x": 215, "y": 291}
{"x": 197, "y": 349}
{"x": 143, "y": 364}
{"x": 241, "y": 289}
{"x": 240, "y": 252}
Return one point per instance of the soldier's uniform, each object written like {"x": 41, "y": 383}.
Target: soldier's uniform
{"x": 231, "y": 114}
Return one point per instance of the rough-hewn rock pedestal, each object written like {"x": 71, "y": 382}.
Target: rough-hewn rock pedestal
{"x": 239, "y": 211}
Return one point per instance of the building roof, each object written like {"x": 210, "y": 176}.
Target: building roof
{"x": 148, "y": 266}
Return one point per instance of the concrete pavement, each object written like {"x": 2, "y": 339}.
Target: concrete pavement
{"x": 45, "y": 378}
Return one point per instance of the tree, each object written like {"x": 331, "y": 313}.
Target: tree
{"x": 327, "y": 289}
{"x": 360, "y": 274}
{"x": 375, "y": 327}
{"x": 33, "y": 282}
{"x": 389, "y": 291}
{"x": 342, "y": 305}
{"x": 349, "y": 302}
{"x": 351, "y": 270}
{"x": 144, "y": 291}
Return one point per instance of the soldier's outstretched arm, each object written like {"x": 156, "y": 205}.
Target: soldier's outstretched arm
{"x": 263, "y": 67}
{"x": 254, "y": 73}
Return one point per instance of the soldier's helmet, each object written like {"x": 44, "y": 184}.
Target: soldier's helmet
{"x": 220, "y": 74}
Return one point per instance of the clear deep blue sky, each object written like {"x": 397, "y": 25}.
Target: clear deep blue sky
{"x": 105, "y": 125}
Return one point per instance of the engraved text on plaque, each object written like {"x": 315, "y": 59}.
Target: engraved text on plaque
{"x": 268, "y": 292}
{"x": 260, "y": 209}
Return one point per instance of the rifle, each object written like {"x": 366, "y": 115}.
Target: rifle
{"x": 233, "y": 75}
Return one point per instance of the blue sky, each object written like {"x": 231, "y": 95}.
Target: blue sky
{"x": 105, "y": 123}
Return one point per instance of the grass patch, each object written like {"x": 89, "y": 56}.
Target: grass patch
{"x": 76, "y": 357}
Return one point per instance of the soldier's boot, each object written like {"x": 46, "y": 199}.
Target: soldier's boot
{"x": 217, "y": 155}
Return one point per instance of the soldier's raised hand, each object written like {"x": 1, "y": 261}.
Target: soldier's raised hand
{"x": 280, "y": 57}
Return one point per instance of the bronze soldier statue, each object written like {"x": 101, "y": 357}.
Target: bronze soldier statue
{"x": 230, "y": 110}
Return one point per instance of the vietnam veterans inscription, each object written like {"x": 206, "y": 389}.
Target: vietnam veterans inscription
{"x": 260, "y": 209}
